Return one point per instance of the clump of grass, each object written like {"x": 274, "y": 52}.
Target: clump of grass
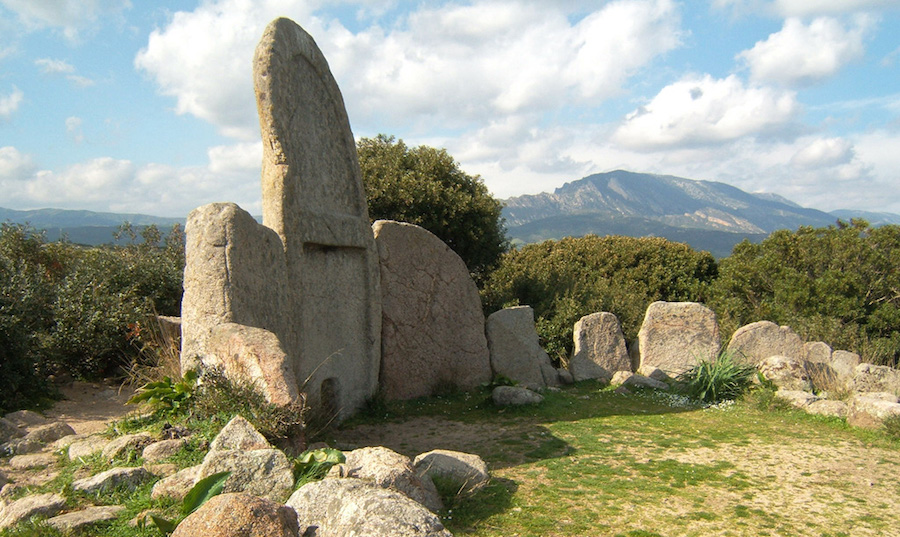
{"x": 718, "y": 380}
{"x": 892, "y": 426}
{"x": 825, "y": 379}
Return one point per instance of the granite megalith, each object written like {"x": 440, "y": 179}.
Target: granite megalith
{"x": 432, "y": 321}
{"x": 599, "y": 348}
{"x": 676, "y": 336}
{"x": 309, "y": 274}
{"x": 757, "y": 341}
{"x": 516, "y": 351}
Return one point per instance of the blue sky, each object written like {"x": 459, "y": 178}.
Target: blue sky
{"x": 112, "y": 105}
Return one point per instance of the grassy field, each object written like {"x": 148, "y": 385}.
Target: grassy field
{"x": 590, "y": 462}
{"x": 593, "y": 462}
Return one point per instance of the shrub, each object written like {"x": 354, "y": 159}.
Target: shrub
{"x": 718, "y": 380}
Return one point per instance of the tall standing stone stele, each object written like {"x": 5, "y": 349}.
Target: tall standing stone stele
{"x": 309, "y": 274}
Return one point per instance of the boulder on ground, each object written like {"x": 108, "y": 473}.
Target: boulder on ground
{"x": 515, "y": 348}
{"x": 239, "y": 434}
{"x": 29, "y": 506}
{"x": 33, "y": 460}
{"x": 825, "y": 407}
{"x": 755, "y": 342}
{"x": 86, "y": 447}
{"x": 786, "y": 373}
{"x": 818, "y": 352}
{"x": 627, "y": 378}
{"x": 78, "y": 520}
{"x": 798, "y": 398}
{"x": 128, "y": 478}
{"x": 515, "y": 396}
{"x": 122, "y": 444}
{"x": 240, "y": 515}
{"x": 869, "y": 410}
{"x": 9, "y": 430}
{"x": 24, "y": 419}
{"x": 675, "y": 336}
{"x": 876, "y": 378}
{"x": 599, "y": 347}
{"x": 432, "y": 330}
{"x": 844, "y": 364}
{"x": 343, "y": 507}
{"x": 163, "y": 449}
{"x": 262, "y": 472}
{"x": 389, "y": 469}
{"x": 176, "y": 485}
{"x": 467, "y": 472}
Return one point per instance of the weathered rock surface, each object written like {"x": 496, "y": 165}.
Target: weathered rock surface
{"x": 176, "y": 485}
{"x": 869, "y": 410}
{"x": 599, "y": 348}
{"x": 635, "y": 380}
{"x": 8, "y": 431}
{"x": 844, "y": 364}
{"x": 24, "y": 419}
{"x": 254, "y": 356}
{"x": 262, "y": 472}
{"x": 50, "y": 432}
{"x": 34, "y": 460}
{"x": 755, "y": 342}
{"x": 120, "y": 445}
{"x": 876, "y": 378}
{"x": 676, "y": 336}
{"x": 516, "y": 352}
{"x": 786, "y": 373}
{"x": 389, "y": 469}
{"x": 78, "y": 520}
{"x": 432, "y": 319}
{"x": 467, "y": 472}
{"x": 29, "y": 506}
{"x": 239, "y": 434}
{"x": 240, "y": 515}
{"x": 818, "y": 352}
{"x": 127, "y": 478}
{"x": 799, "y": 399}
{"x": 824, "y": 407}
{"x": 345, "y": 507}
{"x": 87, "y": 447}
{"x": 163, "y": 449}
{"x": 515, "y": 396}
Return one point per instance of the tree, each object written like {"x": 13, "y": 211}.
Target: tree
{"x": 838, "y": 284}
{"x": 425, "y": 186}
{"x": 567, "y": 279}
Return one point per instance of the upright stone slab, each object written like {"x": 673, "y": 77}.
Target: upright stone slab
{"x": 757, "y": 341}
{"x": 599, "y": 348}
{"x": 676, "y": 336}
{"x": 309, "y": 275}
{"x": 432, "y": 321}
{"x": 516, "y": 351}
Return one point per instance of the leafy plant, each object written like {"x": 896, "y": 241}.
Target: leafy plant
{"x": 199, "y": 494}
{"x": 312, "y": 465}
{"x": 718, "y": 380}
{"x": 167, "y": 395}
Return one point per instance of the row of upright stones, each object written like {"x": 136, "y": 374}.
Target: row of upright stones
{"x": 314, "y": 303}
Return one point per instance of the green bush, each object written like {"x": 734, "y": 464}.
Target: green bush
{"x": 567, "y": 279}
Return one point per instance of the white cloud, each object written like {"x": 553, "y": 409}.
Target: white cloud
{"x": 453, "y": 65}
{"x": 10, "y": 103}
{"x": 71, "y": 16}
{"x": 14, "y": 165}
{"x": 59, "y": 67}
{"x": 802, "y": 8}
{"x": 706, "y": 110}
{"x": 801, "y": 54}
{"x": 824, "y": 152}
{"x": 73, "y": 129}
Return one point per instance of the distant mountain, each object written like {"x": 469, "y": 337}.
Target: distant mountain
{"x": 874, "y": 218}
{"x": 707, "y": 215}
{"x": 84, "y": 227}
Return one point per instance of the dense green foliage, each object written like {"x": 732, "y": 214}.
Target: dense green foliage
{"x": 425, "y": 186}
{"x": 718, "y": 380}
{"x": 568, "y": 279}
{"x": 64, "y": 308}
{"x": 839, "y": 284}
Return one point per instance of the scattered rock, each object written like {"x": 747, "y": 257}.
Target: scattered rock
{"x": 164, "y": 449}
{"x": 869, "y": 410}
{"x": 344, "y": 507}
{"x": 818, "y": 352}
{"x": 118, "y": 446}
{"x": 83, "y": 449}
{"x": 389, "y": 469}
{"x": 786, "y": 373}
{"x": 128, "y": 478}
{"x": 798, "y": 398}
{"x": 565, "y": 377}
{"x": 599, "y": 347}
{"x": 262, "y": 472}
{"x": 627, "y": 378}
{"x": 824, "y": 407}
{"x": 515, "y": 396}
{"x": 240, "y": 515}
{"x": 755, "y": 342}
{"x": 8, "y": 431}
{"x": 516, "y": 352}
{"x": 844, "y": 364}
{"x": 35, "y": 460}
{"x": 78, "y": 520}
{"x": 676, "y": 336}
{"x": 21, "y": 446}
{"x": 26, "y": 418}
{"x": 50, "y": 432}
{"x": 161, "y": 469}
{"x": 29, "y": 506}
{"x": 239, "y": 434}
{"x": 176, "y": 485}
{"x": 432, "y": 330}
{"x": 876, "y": 378}
{"x": 466, "y": 471}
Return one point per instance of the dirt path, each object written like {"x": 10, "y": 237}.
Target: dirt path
{"x": 89, "y": 406}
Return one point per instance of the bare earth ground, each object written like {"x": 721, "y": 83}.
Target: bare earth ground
{"x": 89, "y": 406}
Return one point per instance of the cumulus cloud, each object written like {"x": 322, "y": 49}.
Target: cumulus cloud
{"x": 801, "y": 54}
{"x": 71, "y": 16}
{"x": 823, "y": 152}
{"x": 802, "y": 8}
{"x": 10, "y": 103}
{"x": 706, "y": 110}
{"x": 108, "y": 184}
{"x": 450, "y": 65}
